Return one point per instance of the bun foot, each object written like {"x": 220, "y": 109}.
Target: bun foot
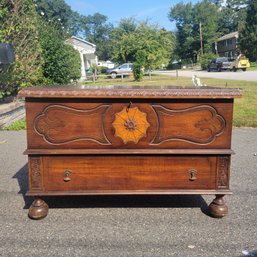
{"x": 218, "y": 208}
{"x": 38, "y": 209}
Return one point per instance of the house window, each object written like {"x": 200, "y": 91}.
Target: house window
{"x": 229, "y": 41}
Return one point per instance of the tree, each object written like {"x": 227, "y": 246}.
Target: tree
{"x": 124, "y": 41}
{"x": 146, "y": 45}
{"x": 182, "y": 14}
{"x": 131, "y": 37}
{"x": 189, "y": 18}
{"x": 248, "y": 35}
{"x": 97, "y": 30}
{"x": 232, "y": 15}
{"x": 54, "y": 11}
{"x": 19, "y": 26}
{"x": 206, "y": 14}
{"x": 61, "y": 61}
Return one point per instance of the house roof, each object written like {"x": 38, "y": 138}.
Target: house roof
{"x": 228, "y": 36}
{"x": 81, "y": 40}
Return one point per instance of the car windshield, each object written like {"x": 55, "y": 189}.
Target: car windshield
{"x": 123, "y": 66}
{"x": 222, "y": 59}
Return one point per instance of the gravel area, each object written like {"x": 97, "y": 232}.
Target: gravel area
{"x": 128, "y": 226}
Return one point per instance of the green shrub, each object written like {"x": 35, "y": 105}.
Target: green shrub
{"x": 19, "y": 26}
{"x": 139, "y": 65}
{"x": 206, "y": 58}
{"x": 103, "y": 69}
{"x": 137, "y": 71}
{"x": 187, "y": 61}
{"x": 61, "y": 61}
{"x": 253, "y": 64}
{"x": 173, "y": 66}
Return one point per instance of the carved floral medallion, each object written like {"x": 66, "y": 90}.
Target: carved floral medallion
{"x": 130, "y": 125}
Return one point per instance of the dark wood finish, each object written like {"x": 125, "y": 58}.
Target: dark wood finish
{"x": 128, "y": 173}
{"x": 126, "y": 151}
{"x": 133, "y": 192}
{"x": 35, "y": 174}
{"x": 129, "y": 140}
{"x": 218, "y": 208}
{"x": 55, "y": 126}
{"x": 38, "y": 210}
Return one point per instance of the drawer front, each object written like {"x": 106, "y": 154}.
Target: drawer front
{"x": 130, "y": 125}
{"x": 110, "y": 173}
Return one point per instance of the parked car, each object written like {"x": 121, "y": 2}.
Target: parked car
{"x": 124, "y": 69}
{"x": 241, "y": 62}
{"x": 219, "y": 64}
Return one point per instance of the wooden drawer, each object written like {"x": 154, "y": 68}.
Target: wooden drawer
{"x": 126, "y": 173}
{"x": 102, "y": 124}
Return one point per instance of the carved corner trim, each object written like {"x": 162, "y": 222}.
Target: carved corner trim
{"x": 223, "y": 172}
{"x": 35, "y": 170}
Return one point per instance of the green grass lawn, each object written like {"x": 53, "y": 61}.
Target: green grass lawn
{"x": 17, "y": 125}
{"x": 245, "y": 109}
{"x": 253, "y": 66}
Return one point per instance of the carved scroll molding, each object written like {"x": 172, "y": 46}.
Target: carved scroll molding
{"x": 59, "y": 125}
{"x": 130, "y": 125}
{"x": 128, "y": 92}
{"x": 35, "y": 167}
{"x": 223, "y": 171}
{"x": 197, "y": 125}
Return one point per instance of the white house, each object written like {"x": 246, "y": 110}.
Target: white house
{"x": 87, "y": 53}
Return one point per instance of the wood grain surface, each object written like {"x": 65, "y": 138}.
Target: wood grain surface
{"x": 78, "y": 124}
{"x": 128, "y": 172}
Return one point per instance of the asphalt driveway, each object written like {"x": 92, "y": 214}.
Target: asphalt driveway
{"x": 239, "y": 75}
{"x": 128, "y": 226}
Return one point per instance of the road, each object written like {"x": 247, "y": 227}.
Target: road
{"x": 229, "y": 75}
{"x": 128, "y": 226}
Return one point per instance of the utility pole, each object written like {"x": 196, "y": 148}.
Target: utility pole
{"x": 201, "y": 37}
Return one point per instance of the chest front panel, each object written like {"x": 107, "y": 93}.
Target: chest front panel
{"x": 129, "y": 124}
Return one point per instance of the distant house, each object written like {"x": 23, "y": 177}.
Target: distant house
{"x": 227, "y": 45}
{"x": 87, "y": 53}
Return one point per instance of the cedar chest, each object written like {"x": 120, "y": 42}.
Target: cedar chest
{"x": 128, "y": 140}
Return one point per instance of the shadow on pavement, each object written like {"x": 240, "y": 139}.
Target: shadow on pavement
{"x": 141, "y": 201}
{"x": 22, "y": 178}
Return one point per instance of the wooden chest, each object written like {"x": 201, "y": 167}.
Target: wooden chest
{"x": 128, "y": 140}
